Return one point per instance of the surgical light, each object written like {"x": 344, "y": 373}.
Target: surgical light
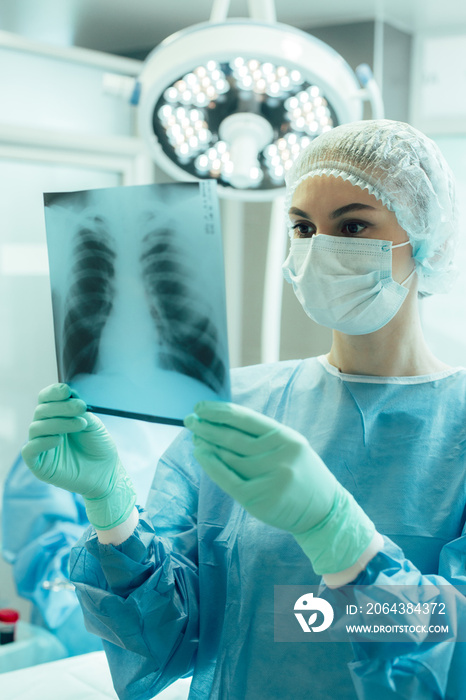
{"x": 238, "y": 100}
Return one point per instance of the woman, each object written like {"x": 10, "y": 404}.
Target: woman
{"x": 348, "y": 467}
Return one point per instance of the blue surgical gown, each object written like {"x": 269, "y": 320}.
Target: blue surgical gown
{"x": 192, "y": 590}
{"x": 41, "y": 523}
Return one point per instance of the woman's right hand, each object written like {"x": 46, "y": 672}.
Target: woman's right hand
{"x": 71, "y": 448}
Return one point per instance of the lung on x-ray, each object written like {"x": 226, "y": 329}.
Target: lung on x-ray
{"x": 138, "y": 296}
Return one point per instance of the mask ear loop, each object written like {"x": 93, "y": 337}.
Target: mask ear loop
{"x": 409, "y": 276}
{"x": 400, "y": 245}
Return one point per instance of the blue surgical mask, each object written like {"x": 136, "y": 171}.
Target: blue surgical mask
{"x": 345, "y": 283}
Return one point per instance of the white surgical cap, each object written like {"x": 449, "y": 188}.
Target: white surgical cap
{"x": 403, "y": 169}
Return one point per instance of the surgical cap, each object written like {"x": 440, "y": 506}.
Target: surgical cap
{"x": 406, "y": 171}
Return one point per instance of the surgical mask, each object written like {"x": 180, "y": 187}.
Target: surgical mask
{"x": 345, "y": 283}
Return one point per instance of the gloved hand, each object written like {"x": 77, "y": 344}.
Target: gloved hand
{"x": 72, "y": 449}
{"x": 274, "y": 473}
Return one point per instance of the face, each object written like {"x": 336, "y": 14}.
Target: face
{"x": 335, "y": 207}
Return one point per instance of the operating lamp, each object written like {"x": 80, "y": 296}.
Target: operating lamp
{"x": 237, "y": 100}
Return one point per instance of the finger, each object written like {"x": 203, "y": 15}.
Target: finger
{"x": 55, "y": 392}
{"x": 246, "y": 467}
{"x": 239, "y": 417}
{"x": 93, "y": 423}
{"x": 60, "y": 409}
{"x": 34, "y": 448}
{"x": 233, "y": 439}
{"x": 218, "y": 471}
{"x": 56, "y": 426}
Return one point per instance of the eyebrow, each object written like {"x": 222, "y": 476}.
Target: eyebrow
{"x": 335, "y": 214}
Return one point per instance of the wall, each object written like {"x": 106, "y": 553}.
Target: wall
{"x": 58, "y": 131}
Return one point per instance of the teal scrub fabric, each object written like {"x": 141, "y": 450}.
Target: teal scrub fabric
{"x": 191, "y": 592}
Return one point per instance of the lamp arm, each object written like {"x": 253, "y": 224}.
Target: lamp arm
{"x": 273, "y": 283}
{"x": 263, "y": 10}
{"x": 370, "y": 91}
{"x": 258, "y": 9}
{"x": 219, "y": 10}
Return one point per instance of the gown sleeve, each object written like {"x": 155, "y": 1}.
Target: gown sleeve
{"x": 142, "y": 596}
{"x": 40, "y": 524}
{"x": 412, "y": 667}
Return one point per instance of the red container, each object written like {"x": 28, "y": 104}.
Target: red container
{"x": 8, "y": 620}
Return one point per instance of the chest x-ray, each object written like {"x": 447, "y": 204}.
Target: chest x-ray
{"x": 138, "y": 297}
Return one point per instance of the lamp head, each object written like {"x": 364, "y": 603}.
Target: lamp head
{"x": 210, "y": 106}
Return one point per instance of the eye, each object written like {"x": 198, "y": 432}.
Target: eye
{"x": 352, "y": 228}
{"x": 302, "y": 230}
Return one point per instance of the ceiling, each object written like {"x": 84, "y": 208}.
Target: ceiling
{"x": 126, "y": 26}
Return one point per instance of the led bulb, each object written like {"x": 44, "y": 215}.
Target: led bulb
{"x": 273, "y": 89}
{"x": 253, "y": 64}
{"x": 256, "y": 175}
{"x": 291, "y": 103}
{"x": 204, "y": 136}
{"x": 171, "y": 94}
{"x": 202, "y": 163}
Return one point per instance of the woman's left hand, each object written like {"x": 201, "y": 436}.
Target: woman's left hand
{"x": 267, "y": 467}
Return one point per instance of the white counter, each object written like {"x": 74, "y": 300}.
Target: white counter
{"x": 85, "y": 677}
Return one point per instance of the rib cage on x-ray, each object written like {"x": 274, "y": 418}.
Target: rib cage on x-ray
{"x": 89, "y": 300}
{"x": 188, "y": 336}
{"x": 188, "y": 339}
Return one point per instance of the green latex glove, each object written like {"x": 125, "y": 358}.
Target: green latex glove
{"x": 72, "y": 449}
{"x": 277, "y": 477}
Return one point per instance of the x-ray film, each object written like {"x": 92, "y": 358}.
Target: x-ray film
{"x": 138, "y": 296}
